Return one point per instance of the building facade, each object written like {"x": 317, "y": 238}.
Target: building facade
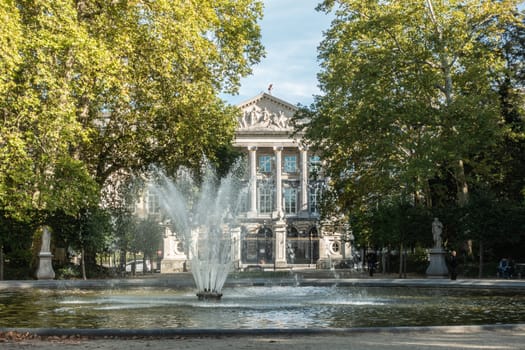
{"x": 279, "y": 224}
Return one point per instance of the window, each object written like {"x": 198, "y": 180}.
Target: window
{"x": 153, "y": 203}
{"x": 243, "y": 200}
{"x": 290, "y": 164}
{"x": 265, "y": 199}
{"x": 265, "y": 164}
{"x": 290, "y": 200}
{"x": 314, "y": 165}
{"x": 313, "y": 200}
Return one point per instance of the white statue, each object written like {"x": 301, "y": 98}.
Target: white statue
{"x": 265, "y": 118}
{"x": 437, "y": 229}
{"x": 283, "y": 120}
{"x": 46, "y": 240}
{"x": 242, "y": 120}
{"x": 253, "y": 117}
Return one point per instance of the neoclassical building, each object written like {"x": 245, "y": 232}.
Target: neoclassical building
{"x": 279, "y": 225}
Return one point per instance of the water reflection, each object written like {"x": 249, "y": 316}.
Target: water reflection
{"x": 259, "y": 307}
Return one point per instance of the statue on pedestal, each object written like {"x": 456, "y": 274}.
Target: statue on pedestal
{"x": 437, "y": 267}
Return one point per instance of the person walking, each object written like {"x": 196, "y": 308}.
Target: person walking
{"x": 372, "y": 261}
{"x": 453, "y": 264}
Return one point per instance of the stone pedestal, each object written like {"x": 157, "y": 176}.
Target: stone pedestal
{"x": 437, "y": 267}
{"x": 280, "y": 244}
{"x": 173, "y": 265}
{"x": 174, "y": 260}
{"x": 45, "y": 267}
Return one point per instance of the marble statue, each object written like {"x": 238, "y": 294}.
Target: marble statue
{"x": 437, "y": 229}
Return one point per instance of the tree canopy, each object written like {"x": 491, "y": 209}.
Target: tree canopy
{"x": 92, "y": 90}
{"x": 409, "y": 95}
{"x": 421, "y": 109}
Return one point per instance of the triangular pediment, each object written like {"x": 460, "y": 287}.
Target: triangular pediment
{"x": 265, "y": 112}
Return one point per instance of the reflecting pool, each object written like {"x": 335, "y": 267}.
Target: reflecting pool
{"x": 282, "y": 307}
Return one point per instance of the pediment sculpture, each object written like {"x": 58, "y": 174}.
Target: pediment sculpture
{"x": 263, "y": 118}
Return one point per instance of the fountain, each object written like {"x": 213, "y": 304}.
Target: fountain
{"x": 203, "y": 216}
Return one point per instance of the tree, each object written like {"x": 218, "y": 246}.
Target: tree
{"x": 147, "y": 238}
{"x": 39, "y": 126}
{"x": 408, "y": 95}
{"x": 153, "y": 96}
{"x": 505, "y": 176}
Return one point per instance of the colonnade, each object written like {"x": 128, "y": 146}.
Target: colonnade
{"x": 303, "y": 180}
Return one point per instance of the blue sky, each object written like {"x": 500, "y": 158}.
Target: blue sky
{"x": 291, "y": 31}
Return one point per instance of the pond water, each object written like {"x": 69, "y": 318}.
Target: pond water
{"x": 259, "y": 307}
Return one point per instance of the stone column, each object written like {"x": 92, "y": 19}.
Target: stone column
{"x": 45, "y": 267}
{"x": 236, "y": 246}
{"x": 252, "y": 159}
{"x": 278, "y": 181}
{"x": 280, "y": 244}
{"x": 303, "y": 205}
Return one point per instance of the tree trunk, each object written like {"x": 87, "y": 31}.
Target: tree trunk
{"x": 480, "y": 259}
{"x": 401, "y": 260}
{"x": 134, "y": 265}
{"x": 405, "y": 260}
{"x": 83, "y": 263}
{"x": 144, "y": 267}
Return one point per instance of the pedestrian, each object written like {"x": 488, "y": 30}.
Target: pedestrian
{"x": 453, "y": 264}
{"x": 372, "y": 261}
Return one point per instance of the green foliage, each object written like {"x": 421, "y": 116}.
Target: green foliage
{"x": 392, "y": 223}
{"x": 499, "y": 224}
{"x": 68, "y": 272}
{"x": 164, "y": 64}
{"x": 15, "y": 237}
{"x": 147, "y": 237}
{"x": 408, "y": 95}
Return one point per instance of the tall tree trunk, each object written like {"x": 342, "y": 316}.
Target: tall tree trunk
{"x": 401, "y": 260}
{"x": 134, "y": 266}
{"x": 404, "y": 263}
{"x": 480, "y": 259}
{"x": 83, "y": 263}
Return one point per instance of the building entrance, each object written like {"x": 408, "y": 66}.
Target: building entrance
{"x": 302, "y": 246}
{"x": 258, "y": 248}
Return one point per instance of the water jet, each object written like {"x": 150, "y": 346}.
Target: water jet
{"x": 203, "y": 218}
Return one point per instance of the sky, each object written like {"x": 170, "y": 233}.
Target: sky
{"x": 291, "y": 30}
